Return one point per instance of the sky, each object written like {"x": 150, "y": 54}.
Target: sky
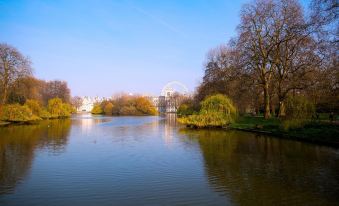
{"x": 105, "y": 47}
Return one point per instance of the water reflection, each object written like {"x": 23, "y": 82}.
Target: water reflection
{"x": 255, "y": 170}
{"x": 18, "y": 145}
{"x": 97, "y": 160}
{"x": 170, "y": 125}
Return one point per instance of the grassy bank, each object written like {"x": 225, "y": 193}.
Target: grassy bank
{"x": 317, "y": 131}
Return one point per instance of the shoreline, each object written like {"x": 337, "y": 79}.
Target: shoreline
{"x": 290, "y": 137}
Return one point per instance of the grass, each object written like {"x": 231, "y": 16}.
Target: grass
{"x": 316, "y": 131}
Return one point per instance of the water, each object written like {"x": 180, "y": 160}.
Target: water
{"x": 153, "y": 161}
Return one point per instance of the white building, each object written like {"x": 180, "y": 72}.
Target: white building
{"x": 88, "y": 103}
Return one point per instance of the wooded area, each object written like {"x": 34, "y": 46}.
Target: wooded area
{"x": 280, "y": 51}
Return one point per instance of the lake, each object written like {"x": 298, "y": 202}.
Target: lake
{"x": 98, "y": 160}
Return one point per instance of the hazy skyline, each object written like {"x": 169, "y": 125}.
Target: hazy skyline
{"x": 106, "y": 47}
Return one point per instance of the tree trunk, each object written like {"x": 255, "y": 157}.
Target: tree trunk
{"x": 281, "y": 108}
{"x": 4, "y": 95}
{"x": 267, "y": 113}
{"x": 272, "y": 108}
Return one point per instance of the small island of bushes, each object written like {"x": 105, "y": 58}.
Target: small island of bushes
{"x": 125, "y": 105}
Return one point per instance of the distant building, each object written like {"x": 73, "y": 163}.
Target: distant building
{"x": 170, "y": 98}
{"x": 88, "y": 103}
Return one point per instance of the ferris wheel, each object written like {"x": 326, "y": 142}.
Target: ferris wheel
{"x": 172, "y": 87}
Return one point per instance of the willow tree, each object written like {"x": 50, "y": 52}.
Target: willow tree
{"x": 13, "y": 65}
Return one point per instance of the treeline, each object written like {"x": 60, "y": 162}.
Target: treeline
{"x": 125, "y": 105}
{"x": 24, "y": 97}
{"x": 279, "y": 53}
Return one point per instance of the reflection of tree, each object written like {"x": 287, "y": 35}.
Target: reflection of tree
{"x": 17, "y": 145}
{"x": 261, "y": 171}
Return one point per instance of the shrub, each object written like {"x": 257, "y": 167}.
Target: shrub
{"x": 17, "y": 113}
{"x": 216, "y": 111}
{"x": 97, "y": 109}
{"x": 129, "y": 110}
{"x": 185, "y": 109}
{"x": 144, "y": 106}
{"x": 58, "y": 109}
{"x": 44, "y": 114}
{"x": 299, "y": 111}
{"x": 35, "y": 106}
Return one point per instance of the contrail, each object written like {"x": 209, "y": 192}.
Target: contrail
{"x": 156, "y": 19}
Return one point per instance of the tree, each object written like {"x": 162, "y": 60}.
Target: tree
{"x": 34, "y": 106}
{"x": 76, "y": 102}
{"x": 97, "y": 109}
{"x": 58, "y": 109}
{"x": 13, "y": 65}
{"x": 144, "y": 106}
{"x": 224, "y": 74}
{"x": 26, "y": 88}
{"x": 108, "y": 109}
{"x": 56, "y": 89}
{"x": 295, "y": 53}
{"x": 299, "y": 112}
{"x": 216, "y": 111}
{"x": 256, "y": 44}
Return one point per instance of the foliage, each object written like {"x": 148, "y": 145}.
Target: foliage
{"x": 258, "y": 72}
{"x": 17, "y": 113}
{"x": 108, "y": 109}
{"x": 299, "y": 107}
{"x": 44, "y": 114}
{"x": 126, "y": 105}
{"x": 298, "y": 112}
{"x": 35, "y": 106}
{"x": 97, "y": 109}
{"x": 216, "y": 111}
{"x": 12, "y": 66}
{"x": 58, "y": 109}
{"x": 144, "y": 106}
{"x": 185, "y": 109}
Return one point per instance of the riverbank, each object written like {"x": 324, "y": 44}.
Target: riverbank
{"x": 4, "y": 123}
{"x": 319, "y": 132}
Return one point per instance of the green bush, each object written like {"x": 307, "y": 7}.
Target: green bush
{"x": 97, "y": 109}
{"x": 35, "y": 106}
{"x": 44, "y": 114}
{"x": 58, "y": 109}
{"x": 185, "y": 109}
{"x": 17, "y": 113}
{"x": 299, "y": 112}
{"x": 216, "y": 111}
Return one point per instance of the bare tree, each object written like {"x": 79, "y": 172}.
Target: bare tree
{"x": 13, "y": 65}
{"x": 58, "y": 89}
{"x": 76, "y": 102}
{"x": 256, "y": 44}
{"x": 295, "y": 54}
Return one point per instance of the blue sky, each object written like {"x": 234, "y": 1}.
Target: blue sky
{"x": 105, "y": 47}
